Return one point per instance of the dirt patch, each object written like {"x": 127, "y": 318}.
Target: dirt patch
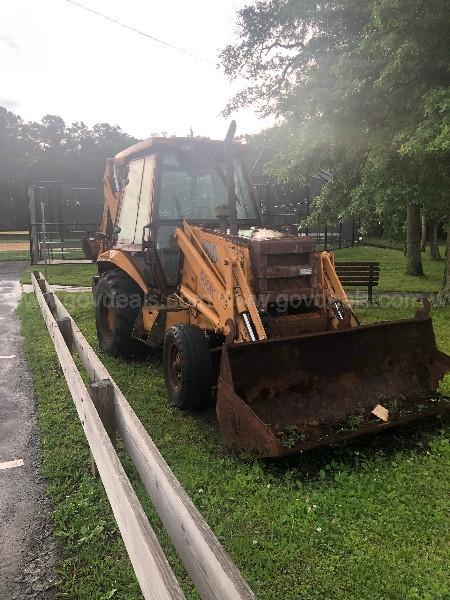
{"x": 12, "y": 246}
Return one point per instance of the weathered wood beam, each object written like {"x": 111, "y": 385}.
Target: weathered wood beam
{"x": 213, "y": 572}
{"x": 153, "y": 572}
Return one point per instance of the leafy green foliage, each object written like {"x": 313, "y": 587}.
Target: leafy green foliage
{"x": 14, "y": 255}
{"x": 50, "y": 150}
{"x": 361, "y": 89}
{"x": 65, "y": 274}
{"x": 432, "y": 134}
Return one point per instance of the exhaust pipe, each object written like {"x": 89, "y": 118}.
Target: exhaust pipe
{"x": 232, "y": 211}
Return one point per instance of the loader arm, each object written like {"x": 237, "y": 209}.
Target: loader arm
{"x": 341, "y": 314}
{"x": 218, "y": 288}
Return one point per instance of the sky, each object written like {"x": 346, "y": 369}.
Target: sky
{"x": 56, "y": 58}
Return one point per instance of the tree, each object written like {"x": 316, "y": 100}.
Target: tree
{"x": 428, "y": 144}
{"x": 16, "y": 148}
{"x": 347, "y": 78}
{"x": 50, "y": 150}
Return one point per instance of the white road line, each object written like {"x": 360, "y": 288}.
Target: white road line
{"x": 11, "y": 464}
{"x": 9, "y": 356}
{"x": 2, "y": 318}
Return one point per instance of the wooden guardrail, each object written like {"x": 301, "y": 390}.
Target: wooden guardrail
{"x": 212, "y": 571}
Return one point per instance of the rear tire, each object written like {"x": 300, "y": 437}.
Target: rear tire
{"x": 118, "y": 300}
{"x": 187, "y": 367}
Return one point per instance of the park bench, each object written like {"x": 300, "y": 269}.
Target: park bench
{"x": 358, "y": 274}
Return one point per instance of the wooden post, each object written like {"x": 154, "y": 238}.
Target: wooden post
{"x": 65, "y": 327}
{"x": 50, "y": 299}
{"x": 150, "y": 565}
{"x": 102, "y": 394}
{"x": 34, "y": 234}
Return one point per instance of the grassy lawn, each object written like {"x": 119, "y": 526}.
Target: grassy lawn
{"x": 392, "y": 270}
{"x": 395, "y": 244}
{"x": 393, "y": 267}
{"x": 76, "y": 275}
{"x": 15, "y": 255}
{"x": 363, "y": 521}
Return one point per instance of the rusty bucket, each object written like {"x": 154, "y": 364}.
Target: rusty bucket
{"x": 286, "y": 395}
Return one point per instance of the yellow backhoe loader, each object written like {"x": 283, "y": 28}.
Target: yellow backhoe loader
{"x": 185, "y": 263}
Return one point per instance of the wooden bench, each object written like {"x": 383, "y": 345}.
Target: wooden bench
{"x": 358, "y": 274}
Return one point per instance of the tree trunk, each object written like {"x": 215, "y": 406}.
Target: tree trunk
{"x": 413, "y": 231}
{"x": 445, "y": 291}
{"x": 423, "y": 240}
{"x": 434, "y": 246}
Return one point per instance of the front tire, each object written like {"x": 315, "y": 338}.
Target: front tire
{"x": 118, "y": 300}
{"x": 187, "y": 367}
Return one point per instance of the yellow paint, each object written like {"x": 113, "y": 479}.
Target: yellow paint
{"x": 121, "y": 260}
{"x": 220, "y": 271}
{"x": 149, "y": 317}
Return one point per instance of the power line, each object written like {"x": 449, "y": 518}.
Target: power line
{"x": 143, "y": 33}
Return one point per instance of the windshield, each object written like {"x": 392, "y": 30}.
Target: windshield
{"x": 192, "y": 186}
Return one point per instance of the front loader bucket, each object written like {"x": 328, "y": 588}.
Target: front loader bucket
{"x": 282, "y": 396}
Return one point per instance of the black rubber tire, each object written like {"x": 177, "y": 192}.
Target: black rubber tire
{"x": 117, "y": 294}
{"x": 192, "y": 391}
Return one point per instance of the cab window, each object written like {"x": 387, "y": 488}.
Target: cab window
{"x": 192, "y": 186}
{"x": 136, "y": 200}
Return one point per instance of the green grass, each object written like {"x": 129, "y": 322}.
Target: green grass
{"x": 364, "y": 521}
{"x": 8, "y": 255}
{"x": 386, "y": 243}
{"x": 393, "y": 269}
{"x": 394, "y": 244}
{"x": 66, "y": 274}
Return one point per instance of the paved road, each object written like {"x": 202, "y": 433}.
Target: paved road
{"x": 27, "y": 546}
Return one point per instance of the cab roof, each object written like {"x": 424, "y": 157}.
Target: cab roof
{"x": 149, "y": 145}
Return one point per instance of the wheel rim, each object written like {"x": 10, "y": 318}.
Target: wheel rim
{"x": 175, "y": 374}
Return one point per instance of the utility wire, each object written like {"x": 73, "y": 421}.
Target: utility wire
{"x": 138, "y": 31}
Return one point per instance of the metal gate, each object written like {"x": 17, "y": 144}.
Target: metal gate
{"x": 61, "y": 214}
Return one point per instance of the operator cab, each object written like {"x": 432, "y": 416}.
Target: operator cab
{"x": 173, "y": 180}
